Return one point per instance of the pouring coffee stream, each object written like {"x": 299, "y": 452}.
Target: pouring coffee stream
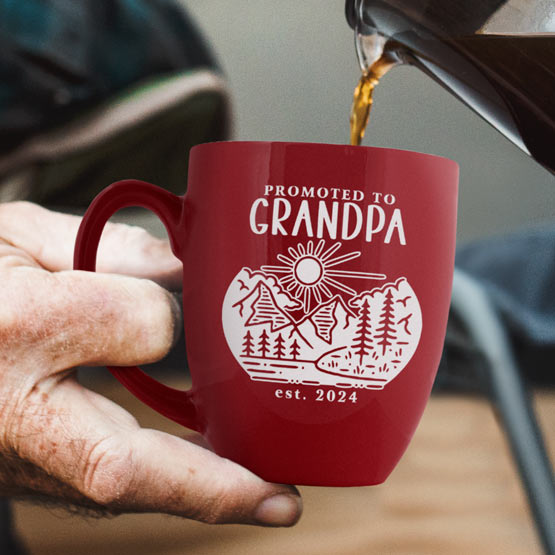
{"x": 497, "y": 56}
{"x": 363, "y": 97}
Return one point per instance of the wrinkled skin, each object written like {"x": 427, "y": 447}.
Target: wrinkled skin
{"x": 65, "y": 443}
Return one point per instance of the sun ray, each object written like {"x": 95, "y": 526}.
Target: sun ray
{"x": 330, "y": 251}
{"x": 275, "y": 269}
{"x": 307, "y": 275}
{"x": 325, "y": 289}
{"x": 286, "y": 260}
{"x": 356, "y": 275}
{"x": 340, "y": 286}
{"x": 316, "y": 293}
{"x": 319, "y": 247}
{"x": 294, "y": 254}
{"x": 286, "y": 279}
{"x": 341, "y": 259}
{"x": 306, "y": 299}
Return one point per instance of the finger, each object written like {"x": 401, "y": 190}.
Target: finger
{"x": 124, "y": 468}
{"x": 182, "y": 478}
{"x": 67, "y": 319}
{"x": 49, "y": 237}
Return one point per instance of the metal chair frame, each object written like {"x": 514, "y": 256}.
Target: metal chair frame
{"x": 511, "y": 400}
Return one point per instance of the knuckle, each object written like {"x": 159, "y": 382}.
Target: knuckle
{"x": 89, "y": 299}
{"x": 9, "y": 325}
{"x": 22, "y": 205}
{"x": 109, "y": 317}
{"x": 15, "y": 207}
{"x": 12, "y": 213}
{"x": 154, "y": 320}
{"x": 141, "y": 248}
{"x": 107, "y": 472}
{"x": 39, "y": 316}
{"x": 17, "y": 300}
{"x": 217, "y": 513}
{"x": 211, "y": 511}
{"x": 227, "y": 502}
{"x": 130, "y": 237}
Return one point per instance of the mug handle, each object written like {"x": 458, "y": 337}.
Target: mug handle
{"x": 172, "y": 403}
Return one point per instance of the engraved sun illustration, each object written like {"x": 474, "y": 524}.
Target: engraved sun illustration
{"x": 309, "y": 272}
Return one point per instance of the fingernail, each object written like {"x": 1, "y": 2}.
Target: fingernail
{"x": 279, "y": 510}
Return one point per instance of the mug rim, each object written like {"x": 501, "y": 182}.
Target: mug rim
{"x": 402, "y": 151}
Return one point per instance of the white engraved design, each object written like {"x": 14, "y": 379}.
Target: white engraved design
{"x": 298, "y": 323}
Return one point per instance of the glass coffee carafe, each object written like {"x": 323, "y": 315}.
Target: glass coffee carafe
{"x": 497, "y": 56}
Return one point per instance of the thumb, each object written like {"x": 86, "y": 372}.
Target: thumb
{"x": 102, "y": 453}
{"x": 185, "y": 479}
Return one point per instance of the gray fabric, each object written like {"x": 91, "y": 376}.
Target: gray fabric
{"x": 519, "y": 272}
{"x": 60, "y": 58}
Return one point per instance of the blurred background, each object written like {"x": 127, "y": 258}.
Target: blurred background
{"x": 291, "y": 69}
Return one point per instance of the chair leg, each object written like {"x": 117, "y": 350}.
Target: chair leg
{"x": 511, "y": 399}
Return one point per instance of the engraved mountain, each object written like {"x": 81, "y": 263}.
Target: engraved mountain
{"x": 261, "y": 308}
{"x": 329, "y": 316}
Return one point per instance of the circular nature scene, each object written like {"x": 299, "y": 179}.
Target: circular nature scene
{"x": 307, "y": 320}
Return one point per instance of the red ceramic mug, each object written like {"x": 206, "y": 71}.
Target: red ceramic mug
{"x": 316, "y": 290}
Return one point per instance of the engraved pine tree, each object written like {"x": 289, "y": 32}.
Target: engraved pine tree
{"x": 279, "y": 351}
{"x": 295, "y": 350}
{"x": 363, "y": 338}
{"x": 248, "y": 344}
{"x": 264, "y": 344}
{"x": 386, "y": 334}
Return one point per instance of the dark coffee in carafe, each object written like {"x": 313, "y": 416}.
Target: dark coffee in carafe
{"x": 509, "y": 79}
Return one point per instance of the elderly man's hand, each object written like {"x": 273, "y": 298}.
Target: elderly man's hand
{"x": 64, "y": 442}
